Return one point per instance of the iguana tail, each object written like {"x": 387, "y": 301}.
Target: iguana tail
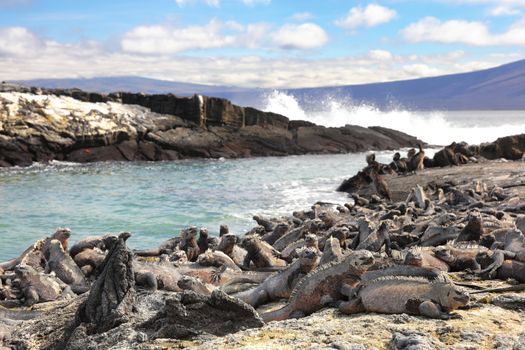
{"x": 516, "y": 288}
{"x": 277, "y": 315}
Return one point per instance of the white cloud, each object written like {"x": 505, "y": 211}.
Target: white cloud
{"x": 18, "y": 41}
{"x": 380, "y": 55}
{"x": 370, "y": 16}
{"x": 430, "y": 29}
{"x": 302, "y": 36}
{"x": 504, "y": 10}
{"x": 255, "y": 2}
{"x": 159, "y": 39}
{"x": 36, "y": 57}
{"x": 420, "y": 70}
{"x": 214, "y": 3}
{"x": 302, "y": 16}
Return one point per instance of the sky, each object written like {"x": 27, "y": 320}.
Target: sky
{"x": 258, "y": 43}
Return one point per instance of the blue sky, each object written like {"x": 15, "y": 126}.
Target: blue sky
{"x": 266, "y": 43}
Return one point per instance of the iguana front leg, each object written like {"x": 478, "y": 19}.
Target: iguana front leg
{"x": 31, "y": 295}
{"x": 498, "y": 257}
{"x": 216, "y": 274}
{"x": 354, "y": 306}
{"x": 433, "y": 310}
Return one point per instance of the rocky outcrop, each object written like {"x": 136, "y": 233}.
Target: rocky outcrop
{"x": 509, "y": 147}
{"x": 73, "y": 125}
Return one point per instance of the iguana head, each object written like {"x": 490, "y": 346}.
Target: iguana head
{"x": 189, "y": 233}
{"x": 309, "y": 259}
{"x": 55, "y": 246}
{"x": 397, "y": 156}
{"x": 228, "y": 240}
{"x": 311, "y": 240}
{"x": 443, "y": 253}
{"x": 414, "y": 258}
{"x": 24, "y": 272}
{"x": 62, "y": 234}
{"x": 452, "y": 297}
{"x": 251, "y": 242}
{"x": 203, "y": 232}
{"x": 281, "y": 227}
{"x": 223, "y": 230}
{"x": 360, "y": 259}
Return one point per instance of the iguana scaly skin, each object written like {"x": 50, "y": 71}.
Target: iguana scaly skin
{"x": 415, "y": 296}
{"x": 281, "y": 284}
{"x": 65, "y": 268}
{"x": 217, "y": 259}
{"x": 228, "y": 245}
{"x": 322, "y": 286}
{"x": 38, "y": 287}
{"x": 260, "y": 253}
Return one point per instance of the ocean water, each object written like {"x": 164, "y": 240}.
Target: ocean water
{"x": 155, "y": 201}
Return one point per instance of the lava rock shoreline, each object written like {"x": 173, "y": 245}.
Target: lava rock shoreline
{"x": 162, "y": 317}
{"x": 39, "y": 125}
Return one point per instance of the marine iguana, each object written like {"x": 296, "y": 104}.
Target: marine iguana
{"x": 278, "y": 231}
{"x": 399, "y": 164}
{"x": 332, "y": 251}
{"x": 380, "y": 184}
{"x": 228, "y": 245}
{"x": 65, "y": 268}
{"x": 166, "y": 247}
{"x": 102, "y": 243}
{"x": 474, "y": 228}
{"x": 415, "y": 162}
{"x": 36, "y": 254}
{"x": 38, "y": 287}
{"x": 188, "y": 243}
{"x": 260, "y": 253}
{"x": 217, "y": 259}
{"x": 375, "y": 241}
{"x": 365, "y": 228}
{"x": 416, "y": 296}
{"x": 281, "y": 284}
{"x": 223, "y": 230}
{"x": 311, "y": 226}
{"x": 446, "y": 156}
{"x": 267, "y": 224}
{"x": 322, "y": 286}
{"x": 89, "y": 260}
{"x": 156, "y": 276}
{"x": 425, "y": 258}
{"x": 196, "y": 285}
{"x": 290, "y": 252}
{"x": 203, "y": 240}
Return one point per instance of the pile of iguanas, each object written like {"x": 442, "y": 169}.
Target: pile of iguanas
{"x": 368, "y": 255}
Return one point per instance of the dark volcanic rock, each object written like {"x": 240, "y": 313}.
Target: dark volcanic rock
{"x": 111, "y": 297}
{"x": 189, "y": 314}
{"x": 73, "y": 125}
{"x": 510, "y": 147}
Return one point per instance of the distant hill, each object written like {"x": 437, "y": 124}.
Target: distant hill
{"x": 499, "y": 88}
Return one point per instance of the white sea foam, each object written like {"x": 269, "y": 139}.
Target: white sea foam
{"x": 438, "y": 128}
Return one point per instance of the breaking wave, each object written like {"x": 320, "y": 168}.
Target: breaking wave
{"x": 436, "y": 127}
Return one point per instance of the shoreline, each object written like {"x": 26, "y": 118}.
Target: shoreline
{"x": 328, "y": 328}
{"x": 72, "y": 125}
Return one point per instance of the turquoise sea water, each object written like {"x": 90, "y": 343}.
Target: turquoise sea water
{"x": 155, "y": 200}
